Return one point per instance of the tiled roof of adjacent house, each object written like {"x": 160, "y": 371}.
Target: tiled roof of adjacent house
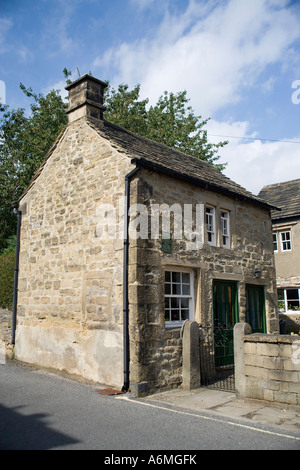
{"x": 158, "y": 157}
{"x": 285, "y": 196}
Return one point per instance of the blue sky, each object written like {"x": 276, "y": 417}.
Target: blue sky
{"x": 237, "y": 59}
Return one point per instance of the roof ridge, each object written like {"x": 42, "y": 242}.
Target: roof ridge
{"x": 281, "y": 183}
{"x": 209, "y": 174}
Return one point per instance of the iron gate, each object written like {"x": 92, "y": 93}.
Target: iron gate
{"x": 217, "y": 357}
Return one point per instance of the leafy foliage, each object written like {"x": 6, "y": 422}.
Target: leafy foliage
{"x": 7, "y": 264}
{"x": 24, "y": 143}
{"x": 25, "y": 140}
{"x": 171, "y": 121}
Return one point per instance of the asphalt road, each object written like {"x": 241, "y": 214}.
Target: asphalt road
{"x": 42, "y": 410}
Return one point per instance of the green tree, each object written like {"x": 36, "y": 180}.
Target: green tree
{"x": 170, "y": 121}
{"x": 24, "y": 143}
{"x": 174, "y": 123}
{"x": 7, "y": 265}
{"x": 124, "y": 109}
{"x": 26, "y": 139}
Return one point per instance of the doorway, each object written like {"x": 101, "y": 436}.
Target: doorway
{"x": 225, "y": 310}
{"x": 255, "y": 308}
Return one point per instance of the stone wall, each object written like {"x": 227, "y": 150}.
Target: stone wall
{"x": 156, "y": 355}
{"x": 288, "y": 262}
{"x": 6, "y": 348}
{"x": 268, "y": 367}
{"x": 70, "y": 279}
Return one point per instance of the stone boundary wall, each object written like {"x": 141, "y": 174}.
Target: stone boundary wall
{"x": 6, "y": 348}
{"x": 267, "y": 367}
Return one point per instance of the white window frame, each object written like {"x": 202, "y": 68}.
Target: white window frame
{"x": 275, "y": 242}
{"x": 225, "y": 228}
{"x": 286, "y": 301}
{"x": 210, "y": 220}
{"x": 170, "y": 295}
{"x": 284, "y": 242}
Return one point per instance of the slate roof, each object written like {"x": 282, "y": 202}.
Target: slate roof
{"x": 160, "y": 158}
{"x": 285, "y": 196}
{"x": 166, "y": 160}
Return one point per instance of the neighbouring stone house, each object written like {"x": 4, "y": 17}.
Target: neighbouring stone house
{"x": 104, "y": 296}
{"x": 286, "y": 240}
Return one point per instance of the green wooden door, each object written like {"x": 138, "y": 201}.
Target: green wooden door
{"x": 255, "y": 308}
{"x": 225, "y": 308}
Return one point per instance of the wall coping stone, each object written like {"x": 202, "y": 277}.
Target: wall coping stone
{"x": 269, "y": 338}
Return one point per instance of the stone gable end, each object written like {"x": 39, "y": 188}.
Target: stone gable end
{"x": 70, "y": 282}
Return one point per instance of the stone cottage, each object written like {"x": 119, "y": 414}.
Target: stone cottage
{"x": 286, "y": 240}
{"x": 104, "y": 296}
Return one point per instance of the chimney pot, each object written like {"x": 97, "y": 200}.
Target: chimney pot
{"x": 86, "y": 98}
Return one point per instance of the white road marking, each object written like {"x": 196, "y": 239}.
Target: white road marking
{"x": 208, "y": 418}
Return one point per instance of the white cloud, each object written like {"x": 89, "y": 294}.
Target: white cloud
{"x": 60, "y": 86}
{"x": 214, "y": 50}
{"x": 217, "y": 51}
{"x": 143, "y": 4}
{"x": 5, "y": 25}
{"x": 57, "y": 33}
{"x": 19, "y": 49}
{"x": 268, "y": 85}
{"x": 24, "y": 53}
{"x": 253, "y": 163}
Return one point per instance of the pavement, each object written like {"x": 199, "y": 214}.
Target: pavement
{"x": 225, "y": 404}
{"x": 202, "y": 400}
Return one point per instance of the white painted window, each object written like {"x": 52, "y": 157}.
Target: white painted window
{"x": 286, "y": 243}
{"x": 289, "y": 299}
{"x": 179, "y": 296}
{"x": 225, "y": 227}
{"x": 275, "y": 242}
{"x": 211, "y": 225}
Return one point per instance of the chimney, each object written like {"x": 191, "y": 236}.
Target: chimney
{"x": 86, "y": 98}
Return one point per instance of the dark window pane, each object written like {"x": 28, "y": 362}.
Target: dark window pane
{"x": 292, "y": 294}
{"x": 167, "y": 289}
{"x": 175, "y": 303}
{"x": 176, "y": 289}
{"x": 185, "y": 314}
{"x": 185, "y": 302}
{"x": 185, "y": 289}
{"x": 175, "y": 315}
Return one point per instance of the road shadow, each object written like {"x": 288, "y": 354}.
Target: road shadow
{"x": 28, "y": 432}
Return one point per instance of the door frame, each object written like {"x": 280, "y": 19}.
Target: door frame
{"x": 226, "y": 292}
{"x": 230, "y": 322}
{"x": 258, "y": 309}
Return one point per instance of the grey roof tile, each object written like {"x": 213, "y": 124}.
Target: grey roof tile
{"x": 285, "y": 196}
{"x": 176, "y": 162}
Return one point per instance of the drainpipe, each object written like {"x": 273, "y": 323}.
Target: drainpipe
{"x": 126, "y": 358}
{"x": 16, "y": 276}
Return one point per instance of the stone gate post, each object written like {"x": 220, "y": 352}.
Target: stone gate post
{"x": 239, "y": 331}
{"x": 190, "y": 356}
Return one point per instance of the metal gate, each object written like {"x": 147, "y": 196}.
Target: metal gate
{"x": 217, "y": 358}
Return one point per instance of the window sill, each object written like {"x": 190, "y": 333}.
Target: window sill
{"x": 171, "y": 325}
{"x": 289, "y": 312}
